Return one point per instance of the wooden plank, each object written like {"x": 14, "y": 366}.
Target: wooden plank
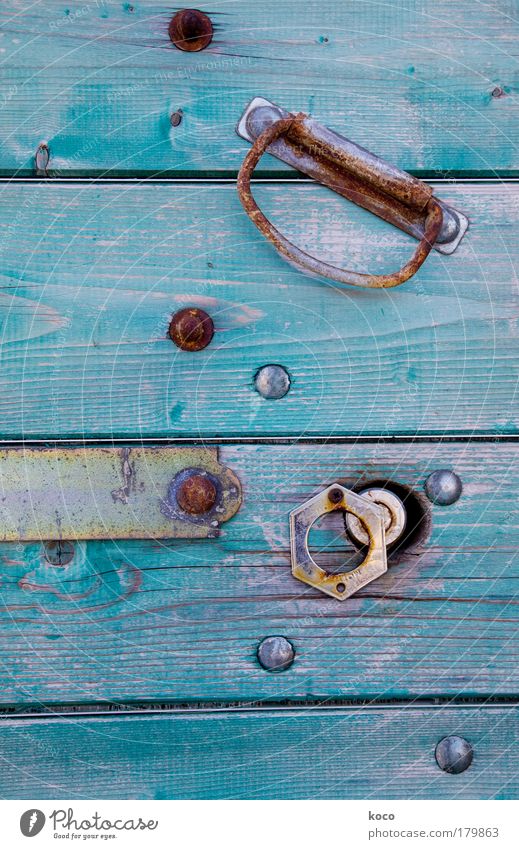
{"x": 90, "y": 276}
{"x": 99, "y": 83}
{"x": 181, "y": 620}
{"x": 363, "y": 753}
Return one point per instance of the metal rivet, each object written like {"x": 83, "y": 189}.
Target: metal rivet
{"x": 197, "y": 494}
{"x": 454, "y": 754}
{"x": 190, "y": 30}
{"x": 191, "y": 329}
{"x": 176, "y": 117}
{"x": 58, "y": 552}
{"x": 443, "y": 487}
{"x": 272, "y": 381}
{"x": 276, "y": 654}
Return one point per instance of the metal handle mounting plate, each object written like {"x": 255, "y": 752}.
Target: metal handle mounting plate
{"x": 352, "y": 172}
{"x": 372, "y": 518}
{"x": 111, "y": 493}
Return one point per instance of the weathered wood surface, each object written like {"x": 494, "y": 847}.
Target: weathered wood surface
{"x": 363, "y": 753}
{"x": 90, "y": 276}
{"x": 429, "y": 89}
{"x": 181, "y": 620}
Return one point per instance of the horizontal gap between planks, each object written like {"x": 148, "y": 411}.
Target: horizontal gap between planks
{"x": 230, "y": 176}
{"x": 255, "y": 440}
{"x": 140, "y": 709}
{"x": 449, "y": 179}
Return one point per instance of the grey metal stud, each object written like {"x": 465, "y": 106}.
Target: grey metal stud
{"x": 276, "y": 654}
{"x": 443, "y": 487}
{"x": 272, "y": 381}
{"x": 454, "y": 754}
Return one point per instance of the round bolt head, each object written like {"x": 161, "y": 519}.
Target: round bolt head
{"x": 443, "y": 487}
{"x": 191, "y": 329}
{"x": 190, "y": 30}
{"x": 272, "y": 381}
{"x": 197, "y": 494}
{"x": 276, "y": 654}
{"x": 394, "y": 517}
{"x": 58, "y": 552}
{"x": 454, "y": 754}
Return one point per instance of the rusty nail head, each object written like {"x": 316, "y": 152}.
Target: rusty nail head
{"x": 190, "y": 30}
{"x": 197, "y": 494}
{"x": 191, "y": 329}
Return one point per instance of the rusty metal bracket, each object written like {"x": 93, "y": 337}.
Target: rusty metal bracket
{"x": 372, "y": 519}
{"x": 354, "y": 173}
{"x": 114, "y": 493}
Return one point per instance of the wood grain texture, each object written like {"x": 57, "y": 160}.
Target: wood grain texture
{"x": 181, "y": 621}
{"x": 431, "y": 89}
{"x": 90, "y": 275}
{"x": 365, "y": 753}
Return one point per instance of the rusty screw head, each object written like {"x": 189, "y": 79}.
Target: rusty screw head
{"x": 191, "y": 329}
{"x": 190, "y": 30}
{"x": 197, "y": 494}
{"x": 335, "y": 496}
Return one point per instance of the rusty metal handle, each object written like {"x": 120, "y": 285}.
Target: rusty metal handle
{"x": 309, "y": 264}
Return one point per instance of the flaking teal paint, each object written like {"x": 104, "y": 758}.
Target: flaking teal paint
{"x": 90, "y": 276}
{"x": 376, "y": 753}
{"x": 180, "y": 621}
{"x": 99, "y": 86}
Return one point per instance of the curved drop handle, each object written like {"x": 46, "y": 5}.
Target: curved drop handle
{"x": 307, "y": 263}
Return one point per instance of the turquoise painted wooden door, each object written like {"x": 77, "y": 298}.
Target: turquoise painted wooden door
{"x": 119, "y": 208}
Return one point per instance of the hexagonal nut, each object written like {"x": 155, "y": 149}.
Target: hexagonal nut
{"x": 371, "y": 516}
